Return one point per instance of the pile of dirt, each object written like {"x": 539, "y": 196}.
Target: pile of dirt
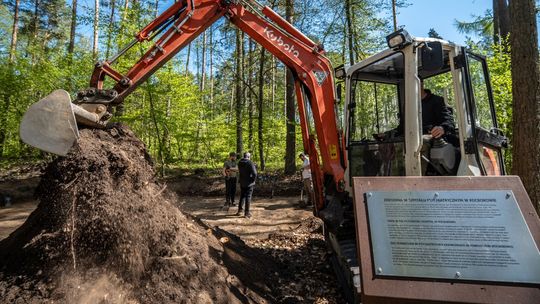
{"x": 106, "y": 232}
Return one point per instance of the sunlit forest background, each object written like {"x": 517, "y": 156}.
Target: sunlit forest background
{"x": 186, "y": 112}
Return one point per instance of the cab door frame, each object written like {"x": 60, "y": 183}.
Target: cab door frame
{"x": 489, "y": 139}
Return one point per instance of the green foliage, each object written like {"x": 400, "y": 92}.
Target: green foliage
{"x": 501, "y": 83}
{"x": 481, "y": 25}
{"x": 433, "y": 34}
{"x": 182, "y": 123}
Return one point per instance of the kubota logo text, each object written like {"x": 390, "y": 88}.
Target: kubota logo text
{"x": 279, "y": 41}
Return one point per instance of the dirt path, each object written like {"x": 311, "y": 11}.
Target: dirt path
{"x": 289, "y": 234}
{"x": 269, "y": 215}
{"x": 273, "y": 231}
{"x": 279, "y": 214}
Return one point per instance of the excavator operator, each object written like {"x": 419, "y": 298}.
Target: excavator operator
{"x": 437, "y": 117}
{"x": 437, "y": 121}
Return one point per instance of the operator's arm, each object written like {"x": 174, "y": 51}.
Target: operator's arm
{"x": 444, "y": 118}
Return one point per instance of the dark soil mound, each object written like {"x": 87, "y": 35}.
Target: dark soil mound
{"x": 106, "y": 232}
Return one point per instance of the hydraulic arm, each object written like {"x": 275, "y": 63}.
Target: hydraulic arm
{"x": 174, "y": 29}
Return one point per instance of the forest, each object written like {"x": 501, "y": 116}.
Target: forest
{"x": 223, "y": 92}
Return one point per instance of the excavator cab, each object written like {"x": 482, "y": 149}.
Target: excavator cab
{"x": 384, "y": 133}
{"x": 383, "y": 112}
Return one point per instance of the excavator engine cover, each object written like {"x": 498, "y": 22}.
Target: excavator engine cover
{"x": 50, "y": 124}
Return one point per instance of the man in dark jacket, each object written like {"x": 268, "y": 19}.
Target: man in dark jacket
{"x": 437, "y": 121}
{"x": 248, "y": 175}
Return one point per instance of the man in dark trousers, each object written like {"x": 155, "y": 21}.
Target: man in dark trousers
{"x": 248, "y": 175}
{"x": 229, "y": 172}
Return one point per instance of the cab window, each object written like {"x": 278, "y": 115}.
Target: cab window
{"x": 376, "y": 143}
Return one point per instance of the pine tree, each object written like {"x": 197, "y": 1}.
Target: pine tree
{"x": 290, "y": 140}
{"x": 526, "y": 97}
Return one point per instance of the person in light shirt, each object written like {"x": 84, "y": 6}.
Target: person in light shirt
{"x": 230, "y": 169}
{"x": 306, "y": 178}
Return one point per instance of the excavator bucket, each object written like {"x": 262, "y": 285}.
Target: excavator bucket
{"x": 50, "y": 124}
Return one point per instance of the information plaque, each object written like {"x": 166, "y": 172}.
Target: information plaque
{"x": 456, "y": 235}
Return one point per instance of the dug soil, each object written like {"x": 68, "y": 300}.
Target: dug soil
{"x": 105, "y": 231}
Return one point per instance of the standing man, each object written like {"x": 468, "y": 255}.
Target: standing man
{"x": 306, "y": 178}
{"x": 248, "y": 175}
{"x": 230, "y": 169}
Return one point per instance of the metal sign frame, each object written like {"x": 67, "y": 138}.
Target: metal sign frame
{"x": 377, "y": 289}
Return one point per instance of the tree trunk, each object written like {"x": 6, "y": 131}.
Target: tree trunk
{"x": 125, "y": 12}
{"x": 166, "y": 133}
{"x": 290, "y": 139}
{"x": 501, "y": 20}
{"x": 34, "y": 30}
{"x": 231, "y": 103}
{"x": 203, "y": 63}
{"x": 394, "y": 14}
{"x": 35, "y": 19}
{"x": 111, "y": 27}
{"x": 158, "y": 136}
{"x": 211, "y": 46}
{"x": 96, "y": 30}
{"x": 496, "y": 29}
{"x": 187, "y": 58}
{"x": 3, "y": 122}
{"x": 14, "y": 32}
{"x": 239, "y": 90}
{"x": 526, "y": 97}
{"x": 504, "y": 18}
{"x": 126, "y": 6}
{"x": 344, "y": 47}
{"x": 73, "y": 27}
{"x": 273, "y": 89}
{"x": 250, "y": 95}
{"x": 260, "y": 111}
{"x": 196, "y": 150}
{"x": 350, "y": 31}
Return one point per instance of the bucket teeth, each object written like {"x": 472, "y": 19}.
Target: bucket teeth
{"x": 50, "y": 124}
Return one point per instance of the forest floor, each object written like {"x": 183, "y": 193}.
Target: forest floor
{"x": 278, "y": 256}
{"x": 279, "y": 229}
